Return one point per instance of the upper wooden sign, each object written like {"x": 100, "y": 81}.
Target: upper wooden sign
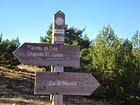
{"x": 58, "y": 28}
{"x": 65, "y": 83}
{"x": 45, "y": 55}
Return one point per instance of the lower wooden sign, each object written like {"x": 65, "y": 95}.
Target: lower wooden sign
{"x": 65, "y": 83}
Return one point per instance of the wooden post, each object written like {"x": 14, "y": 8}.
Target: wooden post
{"x": 58, "y": 38}
{"x": 58, "y": 99}
{"x": 57, "y": 55}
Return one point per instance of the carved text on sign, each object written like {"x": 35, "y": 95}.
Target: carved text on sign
{"x": 59, "y": 31}
{"x": 58, "y": 38}
{"x": 45, "y": 51}
{"x": 44, "y": 48}
{"x": 62, "y": 83}
{"x": 42, "y": 54}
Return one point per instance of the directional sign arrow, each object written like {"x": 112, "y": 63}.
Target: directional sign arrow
{"x": 45, "y": 54}
{"x": 65, "y": 83}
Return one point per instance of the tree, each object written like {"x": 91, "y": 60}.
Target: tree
{"x": 103, "y": 52}
{"x": 85, "y": 59}
{"x": 0, "y": 37}
{"x": 113, "y": 64}
{"x": 136, "y": 39}
{"x": 73, "y": 36}
{"x": 136, "y": 45}
{"x": 7, "y": 48}
{"x": 129, "y": 75}
{"x": 47, "y": 38}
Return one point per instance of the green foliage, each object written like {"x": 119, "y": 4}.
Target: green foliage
{"x": 115, "y": 66}
{"x": 136, "y": 40}
{"x": 47, "y": 39}
{"x": 136, "y": 45}
{"x": 7, "y": 47}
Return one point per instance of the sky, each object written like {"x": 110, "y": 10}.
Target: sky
{"x": 30, "y": 19}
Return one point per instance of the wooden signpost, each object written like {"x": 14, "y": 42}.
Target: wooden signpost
{"x": 58, "y": 38}
{"x": 65, "y": 83}
{"x": 46, "y": 55}
{"x": 57, "y": 55}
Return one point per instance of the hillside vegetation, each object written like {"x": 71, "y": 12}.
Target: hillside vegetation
{"x": 113, "y": 61}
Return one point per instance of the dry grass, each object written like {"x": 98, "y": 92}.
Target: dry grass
{"x": 22, "y": 101}
{"x": 29, "y": 67}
